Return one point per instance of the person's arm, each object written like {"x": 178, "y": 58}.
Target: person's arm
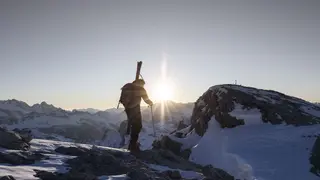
{"x": 145, "y": 97}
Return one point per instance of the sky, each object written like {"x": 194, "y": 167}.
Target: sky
{"x": 78, "y": 54}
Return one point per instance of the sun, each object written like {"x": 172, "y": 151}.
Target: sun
{"x": 163, "y": 92}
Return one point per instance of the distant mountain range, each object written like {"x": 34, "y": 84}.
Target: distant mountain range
{"x": 82, "y": 125}
{"x": 89, "y": 110}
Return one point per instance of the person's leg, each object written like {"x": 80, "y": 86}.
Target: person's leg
{"x": 136, "y": 126}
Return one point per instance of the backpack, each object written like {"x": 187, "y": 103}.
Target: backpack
{"x": 126, "y": 94}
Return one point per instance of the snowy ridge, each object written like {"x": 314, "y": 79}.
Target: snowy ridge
{"x": 258, "y": 152}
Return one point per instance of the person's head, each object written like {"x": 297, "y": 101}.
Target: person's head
{"x": 139, "y": 82}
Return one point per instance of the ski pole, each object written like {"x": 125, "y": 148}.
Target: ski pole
{"x": 154, "y": 132}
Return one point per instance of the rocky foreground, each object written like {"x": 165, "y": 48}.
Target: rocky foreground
{"x": 88, "y": 162}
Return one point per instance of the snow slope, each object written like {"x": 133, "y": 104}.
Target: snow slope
{"x": 257, "y": 150}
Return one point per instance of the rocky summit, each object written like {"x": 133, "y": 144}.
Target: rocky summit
{"x": 249, "y": 132}
{"x": 275, "y": 107}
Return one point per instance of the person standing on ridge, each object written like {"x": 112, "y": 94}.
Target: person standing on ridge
{"x": 131, "y": 98}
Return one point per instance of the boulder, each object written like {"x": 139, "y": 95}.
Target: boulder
{"x": 173, "y": 174}
{"x": 71, "y": 151}
{"x": 166, "y": 143}
{"x": 21, "y": 158}
{"x": 25, "y": 134}
{"x": 167, "y": 158}
{"x": 11, "y": 140}
{"x": 214, "y": 173}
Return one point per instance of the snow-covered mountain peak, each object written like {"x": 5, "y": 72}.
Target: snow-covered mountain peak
{"x": 44, "y": 107}
{"x": 15, "y": 105}
{"x": 234, "y": 105}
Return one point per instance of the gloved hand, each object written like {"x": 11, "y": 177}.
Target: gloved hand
{"x": 150, "y": 103}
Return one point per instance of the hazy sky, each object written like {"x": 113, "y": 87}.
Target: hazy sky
{"x": 76, "y": 54}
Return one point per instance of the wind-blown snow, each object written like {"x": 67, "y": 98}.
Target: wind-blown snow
{"x": 212, "y": 149}
{"x": 263, "y": 151}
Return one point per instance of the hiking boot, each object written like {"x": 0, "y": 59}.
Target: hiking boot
{"x": 134, "y": 148}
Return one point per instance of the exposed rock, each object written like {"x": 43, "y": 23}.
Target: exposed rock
{"x": 12, "y": 140}
{"x": 275, "y": 107}
{"x": 25, "y": 134}
{"x": 20, "y": 158}
{"x": 96, "y": 162}
{"x": 167, "y": 158}
{"x": 181, "y": 125}
{"x": 72, "y": 151}
{"x": 137, "y": 175}
{"x": 173, "y": 174}
{"x": 44, "y": 175}
{"x": 185, "y": 153}
{"x": 315, "y": 158}
{"x": 215, "y": 173}
{"x": 7, "y": 178}
{"x": 166, "y": 143}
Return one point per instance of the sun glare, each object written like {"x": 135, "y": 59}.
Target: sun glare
{"x": 163, "y": 92}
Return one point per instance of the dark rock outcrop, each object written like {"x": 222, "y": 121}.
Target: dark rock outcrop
{"x": 45, "y": 175}
{"x": 166, "y": 143}
{"x": 275, "y": 107}
{"x": 315, "y": 158}
{"x": 99, "y": 162}
{"x": 217, "y": 174}
{"x": 95, "y": 162}
{"x": 20, "y": 158}
{"x": 173, "y": 174}
{"x": 169, "y": 159}
{"x": 72, "y": 151}
{"x": 25, "y": 134}
{"x": 11, "y": 140}
{"x": 7, "y": 178}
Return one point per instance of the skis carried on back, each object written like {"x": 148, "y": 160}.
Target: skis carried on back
{"x": 139, "y": 65}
